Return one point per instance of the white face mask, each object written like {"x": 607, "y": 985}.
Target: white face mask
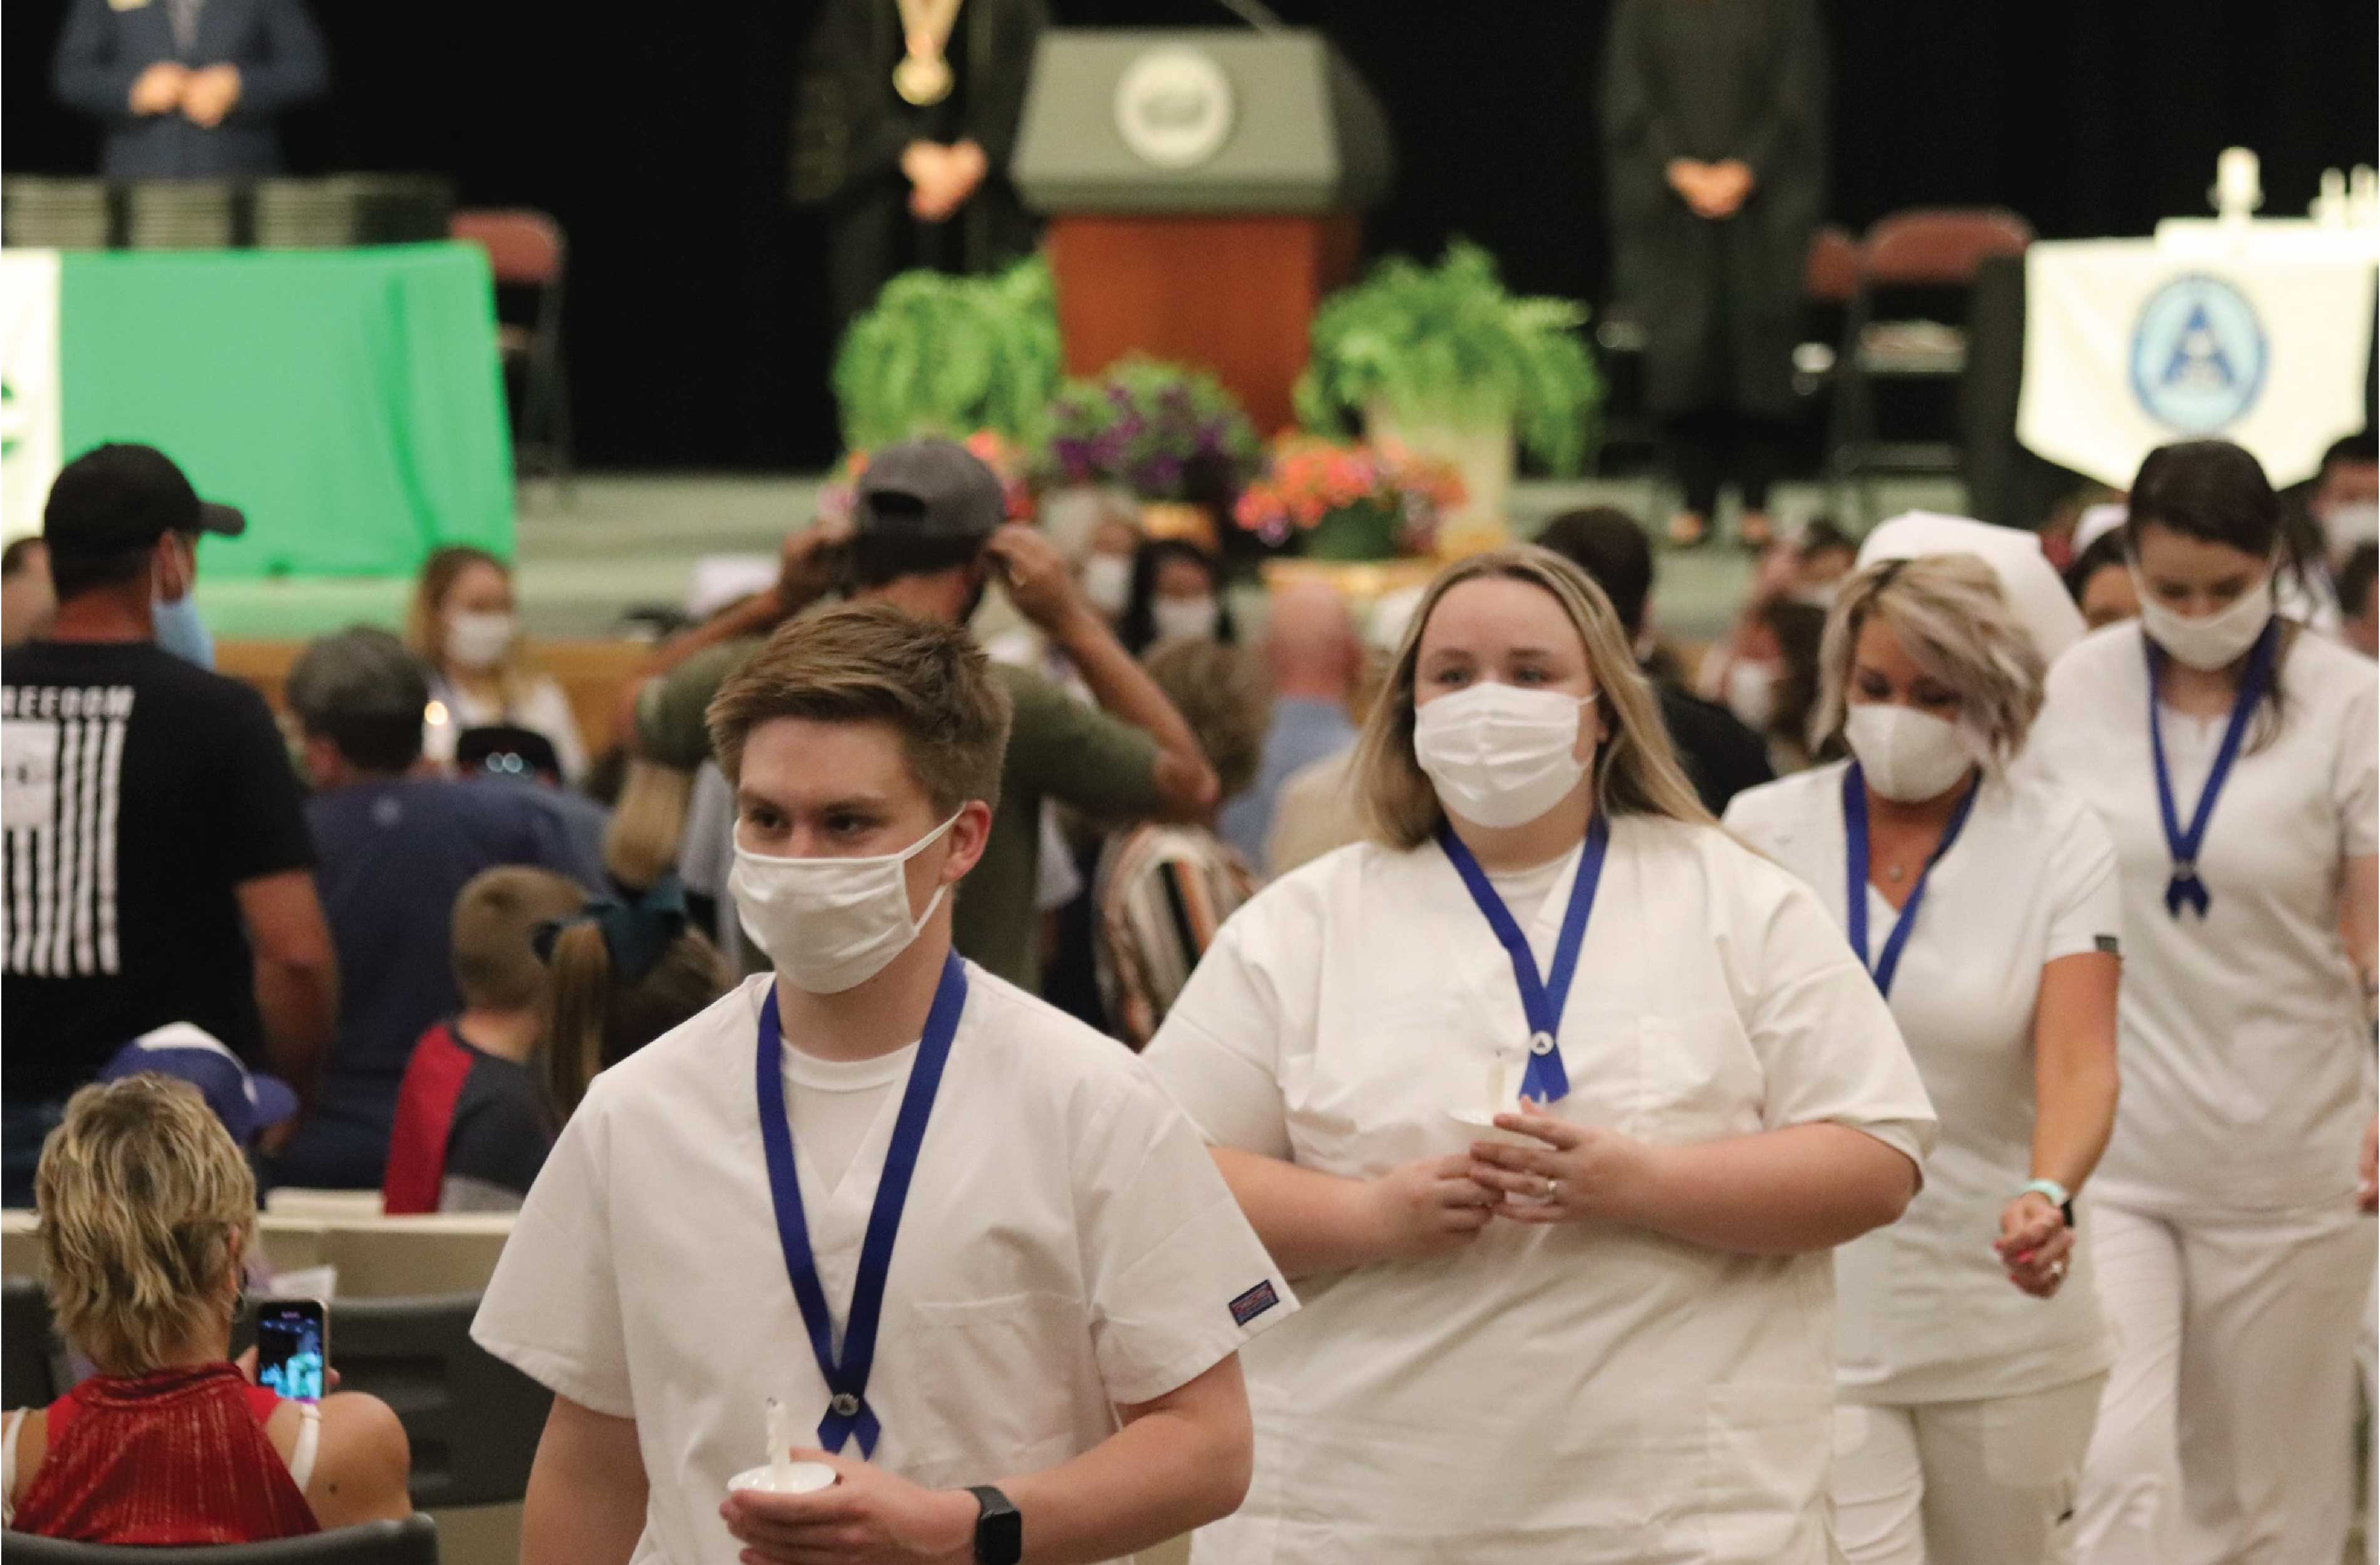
{"x": 2343, "y": 527}
{"x": 830, "y": 923}
{"x": 479, "y": 641}
{"x": 1906, "y": 755}
{"x": 1107, "y": 582}
{"x": 1185, "y": 619}
{"x": 1752, "y": 694}
{"x": 2207, "y": 641}
{"x": 1498, "y": 755}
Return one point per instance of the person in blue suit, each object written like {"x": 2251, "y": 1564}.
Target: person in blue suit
{"x": 190, "y": 88}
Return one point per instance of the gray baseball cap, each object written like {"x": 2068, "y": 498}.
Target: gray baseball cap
{"x": 360, "y": 671}
{"x": 929, "y": 489}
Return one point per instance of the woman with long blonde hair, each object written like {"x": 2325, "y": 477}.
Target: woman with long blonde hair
{"x": 463, "y": 624}
{"x": 1557, "y": 1096}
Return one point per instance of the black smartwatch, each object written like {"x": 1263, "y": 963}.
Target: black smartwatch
{"x": 999, "y": 1530}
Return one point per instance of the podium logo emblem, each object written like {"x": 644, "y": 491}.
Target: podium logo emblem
{"x": 1173, "y": 108}
{"x": 2199, "y": 355}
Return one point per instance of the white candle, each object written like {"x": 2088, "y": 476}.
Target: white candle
{"x": 781, "y": 1447}
{"x": 2238, "y": 183}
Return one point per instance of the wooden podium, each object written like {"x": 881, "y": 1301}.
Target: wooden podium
{"x": 1202, "y": 189}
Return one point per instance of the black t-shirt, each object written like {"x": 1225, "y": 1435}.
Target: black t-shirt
{"x": 139, "y": 792}
{"x": 1722, "y": 757}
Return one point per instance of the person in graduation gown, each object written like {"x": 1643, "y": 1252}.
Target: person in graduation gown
{"x": 2231, "y": 755}
{"x": 965, "y": 1236}
{"x": 1970, "y": 1346}
{"x": 1595, "y": 1326}
{"x": 1713, "y": 124}
{"x": 904, "y": 182}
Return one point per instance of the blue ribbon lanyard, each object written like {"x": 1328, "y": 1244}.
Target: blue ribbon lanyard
{"x": 2185, "y": 886}
{"x": 1855, "y": 878}
{"x": 847, "y": 1412}
{"x": 1543, "y": 1079}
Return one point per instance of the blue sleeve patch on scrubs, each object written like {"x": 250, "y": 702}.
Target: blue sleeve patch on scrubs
{"x": 1253, "y": 1302}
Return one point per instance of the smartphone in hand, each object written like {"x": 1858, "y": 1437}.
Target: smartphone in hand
{"x": 292, "y": 1348}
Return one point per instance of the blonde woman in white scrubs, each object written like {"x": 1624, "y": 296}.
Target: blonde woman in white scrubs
{"x": 1599, "y": 1330}
{"x": 1970, "y": 1347}
{"x": 2231, "y": 755}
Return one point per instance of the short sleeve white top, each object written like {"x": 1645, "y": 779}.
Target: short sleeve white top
{"x": 1925, "y": 1312}
{"x": 1564, "y": 1394}
{"x": 1067, "y": 1246}
{"x": 2241, "y": 1034}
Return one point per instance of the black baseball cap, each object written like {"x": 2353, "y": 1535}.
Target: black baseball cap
{"x": 114, "y": 499}
{"x": 929, "y": 489}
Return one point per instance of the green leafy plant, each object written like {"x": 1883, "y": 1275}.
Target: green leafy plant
{"x": 948, "y": 355}
{"x": 1448, "y": 344}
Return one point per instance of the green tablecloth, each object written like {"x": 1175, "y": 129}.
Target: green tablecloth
{"x": 350, "y": 401}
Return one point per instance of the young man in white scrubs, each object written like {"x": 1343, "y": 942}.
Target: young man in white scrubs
{"x": 964, "y": 1238}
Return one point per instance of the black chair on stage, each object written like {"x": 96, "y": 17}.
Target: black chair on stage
{"x": 413, "y": 1541}
{"x": 527, "y": 252}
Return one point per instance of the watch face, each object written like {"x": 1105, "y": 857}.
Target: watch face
{"x": 999, "y": 1538}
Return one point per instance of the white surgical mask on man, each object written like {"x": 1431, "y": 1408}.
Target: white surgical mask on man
{"x": 1906, "y": 755}
{"x": 478, "y": 640}
{"x": 2206, "y": 641}
{"x": 1107, "y": 582}
{"x": 1498, "y": 755}
{"x": 830, "y": 923}
{"x": 1752, "y": 694}
{"x": 1185, "y": 619}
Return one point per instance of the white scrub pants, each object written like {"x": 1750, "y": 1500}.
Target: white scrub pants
{"x": 2227, "y": 1434}
{"x": 1976, "y": 1483}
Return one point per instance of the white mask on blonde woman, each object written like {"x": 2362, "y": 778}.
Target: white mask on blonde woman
{"x": 477, "y": 640}
{"x": 1906, "y": 755}
{"x": 1500, "y": 756}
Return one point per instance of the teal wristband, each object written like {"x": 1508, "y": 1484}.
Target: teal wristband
{"x": 2057, "y": 1195}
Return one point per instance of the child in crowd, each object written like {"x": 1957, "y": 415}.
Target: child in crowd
{"x": 472, "y": 1128}
{"x": 622, "y": 973}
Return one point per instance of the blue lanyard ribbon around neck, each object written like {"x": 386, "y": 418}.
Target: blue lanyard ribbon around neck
{"x": 1542, "y": 999}
{"x": 848, "y": 1416}
{"x": 2185, "y": 886}
{"x": 1887, "y": 963}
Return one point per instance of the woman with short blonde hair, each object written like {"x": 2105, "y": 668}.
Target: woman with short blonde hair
{"x": 1570, "y": 1094}
{"x": 146, "y": 1212}
{"x": 1988, "y": 911}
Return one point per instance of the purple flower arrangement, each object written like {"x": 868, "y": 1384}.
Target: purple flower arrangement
{"x": 1162, "y": 430}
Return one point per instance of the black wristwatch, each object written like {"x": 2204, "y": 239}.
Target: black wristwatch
{"x": 998, "y": 1531}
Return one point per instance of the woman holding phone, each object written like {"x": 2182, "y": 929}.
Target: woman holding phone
{"x": 1594, "y": 1328}
{"x": 147, "y": 1209}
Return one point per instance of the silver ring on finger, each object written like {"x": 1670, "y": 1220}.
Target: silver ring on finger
{"x": 2058, "y": 1272}
{"x": 1553, "y": 1189}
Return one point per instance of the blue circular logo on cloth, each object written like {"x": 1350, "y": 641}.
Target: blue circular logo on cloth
{"x": 2199, "y": 355}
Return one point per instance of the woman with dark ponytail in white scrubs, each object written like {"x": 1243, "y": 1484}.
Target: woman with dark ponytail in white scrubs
{"x": 2231, "y": 755}
{"x": 1555, "y": 1096}
{"x": 1970, "y": 1346}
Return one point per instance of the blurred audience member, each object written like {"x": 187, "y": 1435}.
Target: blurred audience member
{"x": 1312, "y": 649}
{"x": 397, "y": 846}
{"x": 929, "y": 539}
{"x": 190, "y": 88}
{"x": 1722, "y": 756}
{"x": 248, "y": 1103}
{"x": 2339, "y": 506}
{"x": 28, "y": 602}
{"x": 463, "y": 624}
{"x": 1315, "y": 812}
{"x": 472, "y": 1127}
{"x": 621, "y": 975}
{"x": 525, "y": 759}
{"x": 156, "y": 854}
{"x": 1164, "y": 890}
{"x": 1176, "y": 595}
{"x": 1107, "y": 563}
{"x": 2361, "y": 613}
{"x": 2101, "y": 581}
{"x": 1099, "y": 537}
{"x": 147, "y": 1212}
{"x": 1823, "y": 556}
{"x": 1795, "y": 629}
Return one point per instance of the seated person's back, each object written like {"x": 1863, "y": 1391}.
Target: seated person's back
{"x": 396, "y": 850}
{"x": 472, "y": 1127}
{"x": 147, "y": 1210}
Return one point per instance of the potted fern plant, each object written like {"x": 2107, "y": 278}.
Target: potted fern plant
{"x": 950, "y": 356}
{"x": 1443, "y": 361}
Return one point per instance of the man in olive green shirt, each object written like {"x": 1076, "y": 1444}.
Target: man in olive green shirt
{"x": 928, "y": 536}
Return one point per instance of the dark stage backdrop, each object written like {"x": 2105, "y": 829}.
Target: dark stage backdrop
{"x": 658, "y": 138}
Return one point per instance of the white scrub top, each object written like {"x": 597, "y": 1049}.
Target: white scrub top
{"x": 1923, "y": 1309}
{"x": 1568, "y": 1394}
{"x": 2242, "y": 1035}
{"x": 1067, "y": 1245}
